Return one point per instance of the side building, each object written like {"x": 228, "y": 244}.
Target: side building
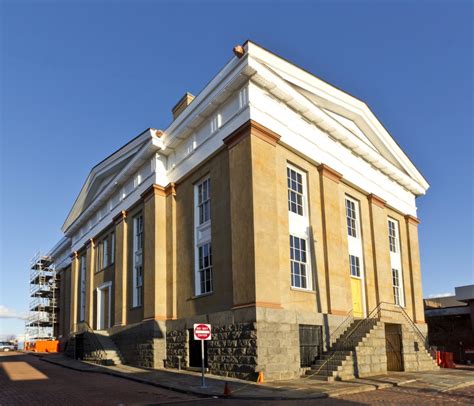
{"x": 275, "y": 207}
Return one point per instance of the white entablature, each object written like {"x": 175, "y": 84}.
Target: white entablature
{"x": 312, "y": 117}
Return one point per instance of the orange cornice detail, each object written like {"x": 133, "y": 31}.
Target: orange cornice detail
{"x": 329, "y": 173}
{"x": 158, "y": 133}
{"x": 153, "y": 189}
{"x": 121, "y": 216}
{"x": 170, "y": 189}
{"x": 412, "y": 220}
{"x": 264, "y": 133}
{"x": 254, "y": 128}
{"x": 374, "y": 199}
{"x": 270, "y": 305}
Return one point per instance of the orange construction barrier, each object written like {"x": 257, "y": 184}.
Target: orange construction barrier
{"x": 260, "y": 378}
{"x": 447, "y": 360}
{"x": 43, "y": 346}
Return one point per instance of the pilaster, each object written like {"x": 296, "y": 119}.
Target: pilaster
{"x": 121, "y": 257}
{"x": 90, "y": 271}
{"x": 415, "y": 269}
{"x": 380, "y": 249}
{"x": 338, "y": 289}
{"x": 74, "y": 291}
{"x": 253, "y": 206}
{"x": 154, "y": 251}
{"x": 171, "y": 268}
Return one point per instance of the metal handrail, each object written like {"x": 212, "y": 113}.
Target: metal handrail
{"x": 351, "y": 339}
{"x": 99, "y": 351}
{"x": 344, "y": 346}
{"x": 341, "y": 328}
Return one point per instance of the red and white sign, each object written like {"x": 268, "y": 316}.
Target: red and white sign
{"x": 202, "y": 331}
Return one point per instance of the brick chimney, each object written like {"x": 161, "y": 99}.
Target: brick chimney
{"x": 184, "y": 102}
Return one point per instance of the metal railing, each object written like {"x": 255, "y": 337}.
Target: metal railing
{"x": 96, "y": 352}
{"x": 341, "y": 328}
{"x": 349, "y": 339}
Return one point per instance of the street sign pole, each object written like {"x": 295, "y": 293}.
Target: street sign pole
{"x": 203, "y": 382}
{"x": 202, "y": 332}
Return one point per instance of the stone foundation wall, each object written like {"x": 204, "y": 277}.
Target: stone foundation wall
{"x": 176, "y": 345}
{"x": 232, "y": 351}
{"x": 370, "y": 357}
{"x": 415, "y": 356}
{"x": 247, "y": 341}
{"x": 142, "y": 344}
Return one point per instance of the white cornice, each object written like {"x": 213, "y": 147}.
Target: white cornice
{"x": 287, "y": 94}
{"x": 153, "y": 144}
{"x": 329, "y": 97}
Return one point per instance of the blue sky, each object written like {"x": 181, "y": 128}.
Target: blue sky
{"x": 80, "y": 79}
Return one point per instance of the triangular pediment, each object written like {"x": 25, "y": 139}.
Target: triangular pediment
{"x": 330, "y": 104}
{"x": 102, "y": 175}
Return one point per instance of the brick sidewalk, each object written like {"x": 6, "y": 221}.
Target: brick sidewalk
{"x": 189, "y": 382}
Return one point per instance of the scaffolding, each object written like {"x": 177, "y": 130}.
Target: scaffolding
{"x": 42, "y": 318}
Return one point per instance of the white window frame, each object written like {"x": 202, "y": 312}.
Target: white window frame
{"x": 105, "y": 254}
{"x": 396, "y": 259}
{"x": 82, "y": 288}
{"x": 351, "y": 207}
{"x": 355, "y": 245}
{"x": 202, "y": 234}
{"x": 137, "y": 269}
{"x": 112, "y": 248}
{"x": 397, "y": 287}
{"x": 300, "y": 262}
{"x": 98, "y": 259}
{"x": 298, "y": 225}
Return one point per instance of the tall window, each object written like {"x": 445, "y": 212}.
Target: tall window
{"x": 105, "y": 256}
{"x": 137, "y": 276}
{"x": 298, "y": 261}
{"x": 112, "y": 248}
{"x": 392, "y": 236}
{"x": 397, "y": 293}
{"x": 295, "y": 191}
{"x": 205, "y": 268}
{"x": 203, "y": 280}
{"x": 351, "y": 216}
{"x": 82, "y": 298}
{"x": 99, "y": 256}
{"x": 355, "y": 265}
{"x": 204, "y": 201}
{"x": 396, "y": 262}
{"x": 298, "y": 221}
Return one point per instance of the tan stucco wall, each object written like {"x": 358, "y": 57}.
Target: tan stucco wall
{"x": 186, "y": 303}
{"x": 249, "y": 213}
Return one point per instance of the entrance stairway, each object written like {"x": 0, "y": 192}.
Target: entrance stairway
{"x": 359, "y": 348}
{"x": 112, "y": 353}
{"x": 93, "y": 346}
{"x": 338, "y": 362}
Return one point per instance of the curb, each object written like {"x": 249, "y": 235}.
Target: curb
{"x": 179, "y": 390}
{"x": 98, "y": 370}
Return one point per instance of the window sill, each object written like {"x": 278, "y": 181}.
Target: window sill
{"x": 303, "y": 290}
{"x": 201, "y": 295}
{"x": 135, "y": 307}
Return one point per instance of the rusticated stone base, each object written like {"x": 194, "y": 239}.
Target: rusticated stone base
{"x": 141, "y": 344}
{"x": 176, "y": 345}
{"x": 233, "y": 350}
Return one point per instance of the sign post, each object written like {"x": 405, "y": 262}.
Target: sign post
{"x": 202, "y": 332}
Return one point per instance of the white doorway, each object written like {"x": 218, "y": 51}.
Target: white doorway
{"x": 104, "y": 306}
